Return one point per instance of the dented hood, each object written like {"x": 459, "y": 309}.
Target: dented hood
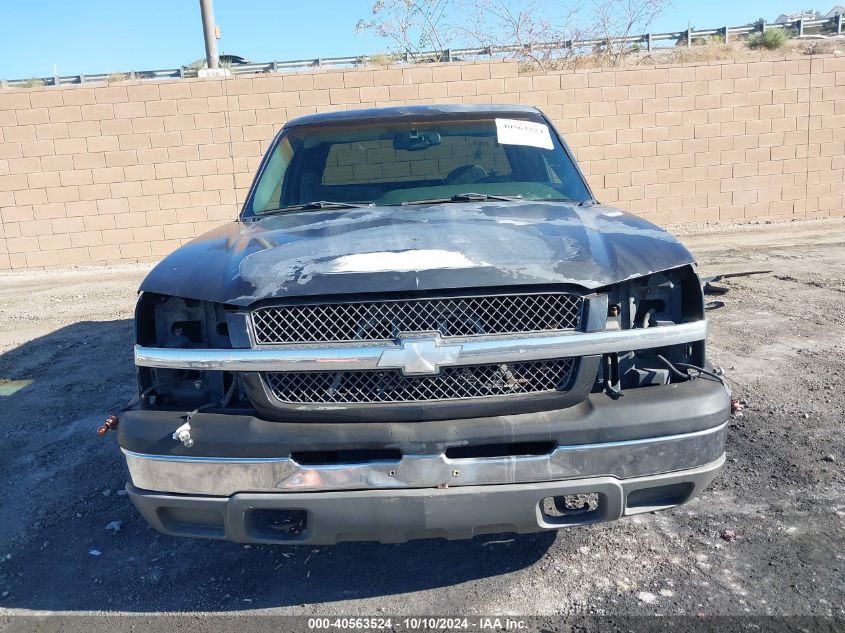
{"x": 382, "y": 249}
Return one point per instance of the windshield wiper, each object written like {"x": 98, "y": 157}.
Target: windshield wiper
{"x": 466, "y": 197}
{"x": 318, "y": 204}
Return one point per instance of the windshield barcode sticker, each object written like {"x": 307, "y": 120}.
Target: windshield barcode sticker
{"x": 516, "y": 132}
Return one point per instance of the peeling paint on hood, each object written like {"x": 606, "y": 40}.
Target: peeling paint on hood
{"x": 401, "y": 248}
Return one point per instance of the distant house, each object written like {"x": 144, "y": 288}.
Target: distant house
{"x": 788, "y": 18}
{"x": 839, "y": 8}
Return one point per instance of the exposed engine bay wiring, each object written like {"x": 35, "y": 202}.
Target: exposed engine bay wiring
{"x": 141, "y": 396}
{"x": 183, "y": 433}
{"x": 222, "y": 403}
{"x": 692, "y": 371}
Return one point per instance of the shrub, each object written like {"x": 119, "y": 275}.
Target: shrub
{"x": 32, "y": 82}
{"x": 705, "y": 41}
{"x": 380, "y": 59}
{"x": 771, "y": 39}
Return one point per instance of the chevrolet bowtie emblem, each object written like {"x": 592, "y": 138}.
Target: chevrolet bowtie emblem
{"x": 419, "y": 355}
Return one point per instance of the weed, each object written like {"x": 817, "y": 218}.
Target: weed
{"x": 32, "y": 82}
{"x": 771, "y": 39}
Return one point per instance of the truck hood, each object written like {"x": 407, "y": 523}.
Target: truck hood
{"x": 432, "y": 247}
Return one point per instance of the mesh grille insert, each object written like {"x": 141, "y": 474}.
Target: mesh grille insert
{"x": 384, "y": 320}
{"x": 452, "y": 383}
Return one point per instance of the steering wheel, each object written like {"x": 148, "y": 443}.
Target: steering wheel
{"x": 466, "y": 175}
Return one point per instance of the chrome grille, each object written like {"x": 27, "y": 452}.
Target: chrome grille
{"x": 384, "y": 320}
{"x": 452, "y": 383}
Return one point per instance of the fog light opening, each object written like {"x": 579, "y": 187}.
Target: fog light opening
{"x": 283, "y": 524}
{"x": 660, "y": 496}
{"x": 574, "y": 508}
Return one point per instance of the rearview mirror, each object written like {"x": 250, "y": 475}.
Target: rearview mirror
{"x": 413, "y": 141}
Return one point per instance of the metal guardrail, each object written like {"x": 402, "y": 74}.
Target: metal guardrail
{"x": 454, "y": 54}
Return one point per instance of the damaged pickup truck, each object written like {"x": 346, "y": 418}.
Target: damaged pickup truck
{"x": 422, "y": 324}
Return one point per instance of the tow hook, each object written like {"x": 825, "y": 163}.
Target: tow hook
{"x": 110, "y": 424}
{"x": 183, "y": 434}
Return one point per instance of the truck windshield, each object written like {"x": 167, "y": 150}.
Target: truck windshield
{"x": 405, "y": 162}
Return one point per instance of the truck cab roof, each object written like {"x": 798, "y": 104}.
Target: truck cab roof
{"x": 414, "y": 112}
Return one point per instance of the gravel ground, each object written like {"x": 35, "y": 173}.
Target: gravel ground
{"x": 71, "y": 542}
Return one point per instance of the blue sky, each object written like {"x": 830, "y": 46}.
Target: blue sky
{"x": 88, "y": 36}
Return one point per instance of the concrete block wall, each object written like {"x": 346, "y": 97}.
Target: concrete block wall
{"x": 129, "y": 171}
{"x": 377, "y": 161}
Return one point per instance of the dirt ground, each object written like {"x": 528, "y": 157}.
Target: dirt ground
{"x": 780, "y": 337}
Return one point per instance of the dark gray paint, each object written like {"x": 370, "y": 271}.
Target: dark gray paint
{"x": 314, "y": 253}
{"x": 413, "y": 112}
{"x": 644, "y": 413}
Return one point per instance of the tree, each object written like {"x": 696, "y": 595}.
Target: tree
{"x": 540, "y": 35}
{"x": 544, "y": 32}
{"x": 413, "y": 26}
{"x": 618, "y": 19}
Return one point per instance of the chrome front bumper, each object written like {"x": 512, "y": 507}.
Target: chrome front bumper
{"x": 394, "y": 516}
{"x": 221, "y": 476}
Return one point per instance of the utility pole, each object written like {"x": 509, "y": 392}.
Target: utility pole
{"x": 209, "y": 32}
